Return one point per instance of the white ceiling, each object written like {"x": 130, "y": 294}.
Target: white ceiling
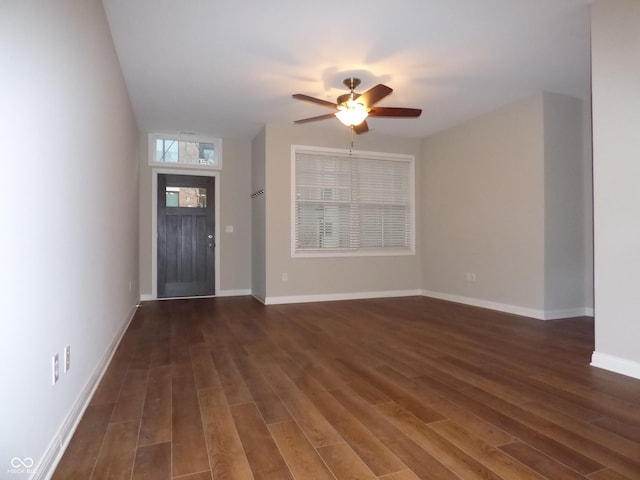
{"x": 227, "y": 67}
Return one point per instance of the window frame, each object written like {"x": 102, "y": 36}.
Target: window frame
{"x": 192, "y": 138}
{"x": 354, "y": 252}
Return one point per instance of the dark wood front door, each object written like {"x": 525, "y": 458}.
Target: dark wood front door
{"x": 186, "y": 236}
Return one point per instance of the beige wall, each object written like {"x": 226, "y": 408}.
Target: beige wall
{"x": 146, "y": 231}
{"x": 258, "y": 218}
{"x": 483, "y": 208}
{"x": 616, "y": 162}
{"x": 235, "y": 210}
{"x": 504, "y": 199}
{"x": 335, "y": 277}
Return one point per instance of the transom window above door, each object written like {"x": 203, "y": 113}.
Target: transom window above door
{"x": 185, "y": 151}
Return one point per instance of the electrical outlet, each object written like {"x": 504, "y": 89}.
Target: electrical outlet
{"x": 285, "y": 276}
{"x": 67, "y": 358}
{"x": 56, "y": 369}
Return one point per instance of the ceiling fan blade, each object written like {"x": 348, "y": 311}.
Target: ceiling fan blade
{"x": 361, "y": 128}
{"x": 313, "y": 119}
{"x": 394, "y": 112}
{"x": 318, "y": 101}
{"x": 374, "y": 95}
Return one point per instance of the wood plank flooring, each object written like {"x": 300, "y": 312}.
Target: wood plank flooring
{"x": 384, "y": 389}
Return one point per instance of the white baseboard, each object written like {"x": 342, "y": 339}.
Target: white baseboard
{"x": 502, "y": 307}
{"x": 616, "y": 364}
{"x": 330, "y": 297}
{"x": 568, "y": 313}
{"x": 147, "y": 297}
{"x": 260, "y": 298}
{"x": 61, "y": 440}
{"x": 513, "y": 309}
{"x": 233, "y": 293}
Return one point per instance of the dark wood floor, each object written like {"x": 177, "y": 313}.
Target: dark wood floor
{"x": 389, "y": 389}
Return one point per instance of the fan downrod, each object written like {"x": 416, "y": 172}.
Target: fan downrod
{"x": 351, "y": 84}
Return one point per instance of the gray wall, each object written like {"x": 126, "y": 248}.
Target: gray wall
{"x": 566, "y": 166}
{"x": 503, "y": 197}
{"x": 68, "y": 194}
{"x": 616, "y": 165}
{"x": 235, "y": 210}
{"x": 325, "y": 276}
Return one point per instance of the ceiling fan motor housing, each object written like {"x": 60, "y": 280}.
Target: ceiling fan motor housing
{"x": 346, "y": 96}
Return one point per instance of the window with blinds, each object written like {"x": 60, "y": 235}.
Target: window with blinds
{"x": 352, "y": 203}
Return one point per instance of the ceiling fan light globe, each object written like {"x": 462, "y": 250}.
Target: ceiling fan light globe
{"x": 352, "y": 113}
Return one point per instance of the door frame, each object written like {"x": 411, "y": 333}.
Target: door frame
{"x": 154, "y": 222}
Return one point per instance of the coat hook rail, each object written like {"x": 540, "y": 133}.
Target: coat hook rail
{"x": 257, "y": 193}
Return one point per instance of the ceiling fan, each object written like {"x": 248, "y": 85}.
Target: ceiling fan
{"x": 353, "y": 108}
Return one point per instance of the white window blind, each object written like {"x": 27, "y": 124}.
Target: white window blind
{"x": 352, "y": 204}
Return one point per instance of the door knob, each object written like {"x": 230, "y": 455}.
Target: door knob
{"x": 210, "y": 237}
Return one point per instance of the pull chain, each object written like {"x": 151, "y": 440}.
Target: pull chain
{"x": 351, "y": 148}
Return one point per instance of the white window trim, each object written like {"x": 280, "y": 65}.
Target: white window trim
{"x": 152, "y": 137}
{"x": 353, "y": 153}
